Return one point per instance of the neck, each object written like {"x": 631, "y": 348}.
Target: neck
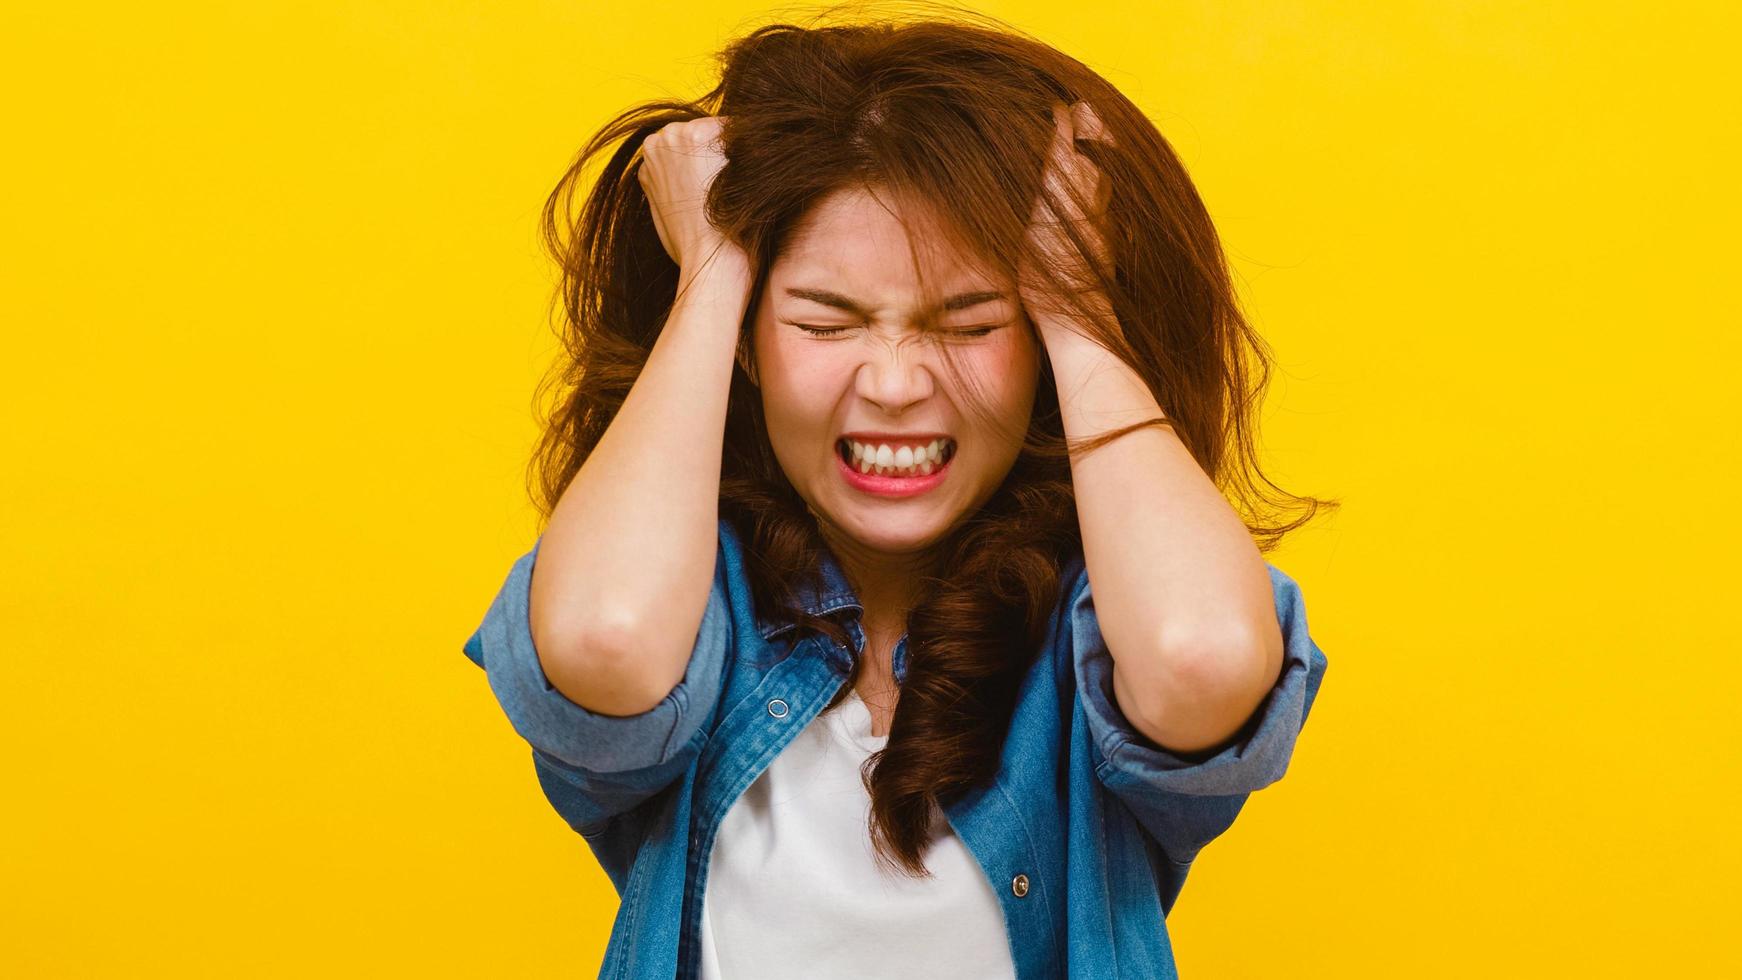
{"x": 887, "y": 584}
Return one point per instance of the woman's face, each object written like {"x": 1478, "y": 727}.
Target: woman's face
{"x": 878, "y": 380}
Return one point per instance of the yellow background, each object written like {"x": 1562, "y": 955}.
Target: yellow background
{"x": 274, "y": 309}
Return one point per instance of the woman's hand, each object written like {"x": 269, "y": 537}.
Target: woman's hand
{"x": 678, "y": 165}
{"x": 1070, "y": 177}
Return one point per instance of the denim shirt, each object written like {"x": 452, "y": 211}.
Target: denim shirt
{"x": 1086, "y": 834}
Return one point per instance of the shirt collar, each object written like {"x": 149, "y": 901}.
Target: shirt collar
{"x": 833, "y": 595}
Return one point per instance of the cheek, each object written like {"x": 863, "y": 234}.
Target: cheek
{"x": 1011, "y": 371}
{"x": 801, "y": 383}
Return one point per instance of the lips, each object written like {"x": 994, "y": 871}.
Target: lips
{"x": 891, "y": 486}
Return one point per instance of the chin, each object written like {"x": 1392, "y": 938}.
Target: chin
{"x": 889, "y": 532}
{"x": 893, "y": 542}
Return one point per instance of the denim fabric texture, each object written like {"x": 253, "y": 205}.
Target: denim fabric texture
{"x": 1086, "y": 834}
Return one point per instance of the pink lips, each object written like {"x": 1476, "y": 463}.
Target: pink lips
{"x": 892, "y": 486}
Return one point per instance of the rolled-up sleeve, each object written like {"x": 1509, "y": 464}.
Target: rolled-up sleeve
{"x": 610, "y": 761}
{"x": 1187, "y": 802}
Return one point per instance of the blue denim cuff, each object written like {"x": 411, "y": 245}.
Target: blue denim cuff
{"x": 1256, "y": 757}
{"x": 584, "y": 739}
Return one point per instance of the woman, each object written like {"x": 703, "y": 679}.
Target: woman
{"x": 807, "y": 651}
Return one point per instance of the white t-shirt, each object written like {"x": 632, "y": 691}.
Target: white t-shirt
{"x": 793, "y": 892}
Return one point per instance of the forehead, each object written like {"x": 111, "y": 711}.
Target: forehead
{"x": 854, "y": 241}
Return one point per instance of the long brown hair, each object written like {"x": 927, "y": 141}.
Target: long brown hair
{"x": 952, "y": 108}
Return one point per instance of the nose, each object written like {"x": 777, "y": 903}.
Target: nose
{"x": 894, "y": 376}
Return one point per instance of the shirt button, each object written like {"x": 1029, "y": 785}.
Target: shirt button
{"x": 777, "y": 708}
{"x": 1019, "y": 885}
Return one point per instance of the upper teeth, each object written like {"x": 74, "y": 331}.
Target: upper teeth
{"x": 909, "y": 459}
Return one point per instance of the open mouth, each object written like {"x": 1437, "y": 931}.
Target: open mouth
{"x": 905, "y": 461}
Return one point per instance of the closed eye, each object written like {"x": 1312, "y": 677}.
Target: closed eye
{"x": 963, "y": 332}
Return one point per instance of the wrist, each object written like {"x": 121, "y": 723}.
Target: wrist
{"x": 718, "y": 262}
{"x": 1067, "y": 338}
{"x": 721, "y": 284}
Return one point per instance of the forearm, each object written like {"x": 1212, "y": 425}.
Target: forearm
{"x": 627, "y": 562}
{"x": 1182, "y": 595}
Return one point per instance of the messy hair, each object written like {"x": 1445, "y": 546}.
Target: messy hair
{"x": 954, "y": 109}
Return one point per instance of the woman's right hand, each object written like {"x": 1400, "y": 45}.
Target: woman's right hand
{"x": 678, "y": 165}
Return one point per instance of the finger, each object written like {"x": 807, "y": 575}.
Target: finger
{"x": 1062, "y": 125}
{"x": 1073, "y": 175}
{"x": 1067, "y": 163}
{"x": 1087, "y": 125}
{"x": 1067, "y": 158}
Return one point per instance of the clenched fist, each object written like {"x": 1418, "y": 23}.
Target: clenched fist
{"x": 678, "y": 166}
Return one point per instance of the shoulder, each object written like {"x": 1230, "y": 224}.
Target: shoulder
{"x": 1073, "y": 585}
{"x": 730, "y": 557}
{"x": 733, "y": 589}
{"x": 1073, "y": 574}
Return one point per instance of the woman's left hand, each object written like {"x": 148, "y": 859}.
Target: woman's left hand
{"x": 1070, "y": 178}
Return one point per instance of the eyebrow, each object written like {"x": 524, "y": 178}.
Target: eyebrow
{"x": 959, "y": 302}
